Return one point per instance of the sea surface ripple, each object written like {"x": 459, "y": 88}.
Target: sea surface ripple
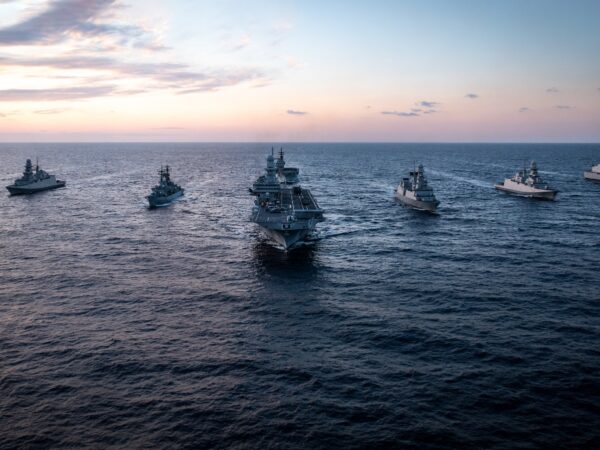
{"x": 122, "y": 327}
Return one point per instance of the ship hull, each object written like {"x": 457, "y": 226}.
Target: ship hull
{"x": 542, "y": 194}
{"x": 25, "y": 190}
{"x": 157, "y": 202}
{"x": 287, "y": 239}
{"x": 417, "y": 204}
{"x": 593, "y": 176}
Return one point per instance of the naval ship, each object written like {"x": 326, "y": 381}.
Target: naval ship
{"x": 165, "y": 191}
{"x": 593, "y": 174}
{"x": 32, "y": 182}
{"x": 287, "y": 212}
{"x": 527, "y": 183}
{"x": 414, "y": 191}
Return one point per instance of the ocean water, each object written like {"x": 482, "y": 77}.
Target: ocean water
{"x": 183, "y": 327}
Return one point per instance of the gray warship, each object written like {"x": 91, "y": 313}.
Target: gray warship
{"x": 527, "y": 183}
{"x": 287, "y": 212}
{"x": 165, "y": 191}
{"x": 414, "y": 191}
{"x": 32, "y": 182}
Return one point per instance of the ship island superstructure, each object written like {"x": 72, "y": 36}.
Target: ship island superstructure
{"x": 286, "y": 211}
{"x": 166, "y": 191}
{"x": 593, "y": 174}
{"x": 34, "y": 181}
{"x": 528, "y": 183}
{"x": 414, "y": 191}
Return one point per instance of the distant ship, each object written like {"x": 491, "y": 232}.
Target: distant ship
{"x": 287, "y": 212}
{"x": 527, "y": 183}
{"x": 32, "y": 182}
{"x": 593, "y": 174}
{"x": 414, "y": 191}
{"x": 165, "y": 191}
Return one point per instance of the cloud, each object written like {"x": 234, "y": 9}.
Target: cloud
{"x": 423, "y": 107}
{"x": 9, "y": 113}
{"x": 293, "y": 112}
{"x": 51, "y": 111}
{"x": 165, "y": 75}
{"x": 64, "y": 19}
{"x": 473, "y": 96}
{"x": 524, "y": 109}
{"x": 72, "y": 93}
{"x": 400, "y": 113}
{"x": 85, "y": 35}
{"x": 563, "y": 107}
{"x": 427, "y": 104}
{"x": 552, "y": 90}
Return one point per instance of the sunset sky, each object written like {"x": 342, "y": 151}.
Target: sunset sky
{"x": 403, "y": 70}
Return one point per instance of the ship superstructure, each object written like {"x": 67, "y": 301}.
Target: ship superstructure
{"x": 414, "y": 191}
{"x": 286, "y": 211}
{"x": 165, "y": 191}
{"x": 528, "y": 183}
{"x": 34, "y": 181}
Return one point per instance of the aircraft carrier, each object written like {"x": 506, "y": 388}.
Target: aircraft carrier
{"x": 286, "y": 211}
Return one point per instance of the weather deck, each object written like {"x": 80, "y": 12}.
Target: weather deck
{"x": 302, "y": 201}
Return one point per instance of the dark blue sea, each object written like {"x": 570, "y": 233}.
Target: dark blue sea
{"x": 183, "y": 327}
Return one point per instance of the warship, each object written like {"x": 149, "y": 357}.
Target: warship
{"x": 593, "y": 174}
{"x": 34, "y": 181}
{"x": 414, "y": 191}
{"x": 287, "y": 212}
{"x": 165, "y": 191}
{"x": 527, "y": 183}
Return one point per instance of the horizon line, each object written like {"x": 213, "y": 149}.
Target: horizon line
{"x": 313, "y": 142}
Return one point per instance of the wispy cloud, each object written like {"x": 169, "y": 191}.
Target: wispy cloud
{"x": 422, "y": 107}
{"x": 428, "y": 104}
{"x": 552, "y": 90}
{"x": 472, "y": 96}
{"x": 563, "y": 107}
{"x": 65, "y": 19}
{"x": 9, "y": 113}
{"x": 294, "y": 112}
{"x": 400, "y": 113}
{"x": 72, "y": 93}
{"x": 170, "y": 75}
{"x": 51, "y": 111}
{"x": 523, "y": 109}
{"x": 84, "y": 37}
